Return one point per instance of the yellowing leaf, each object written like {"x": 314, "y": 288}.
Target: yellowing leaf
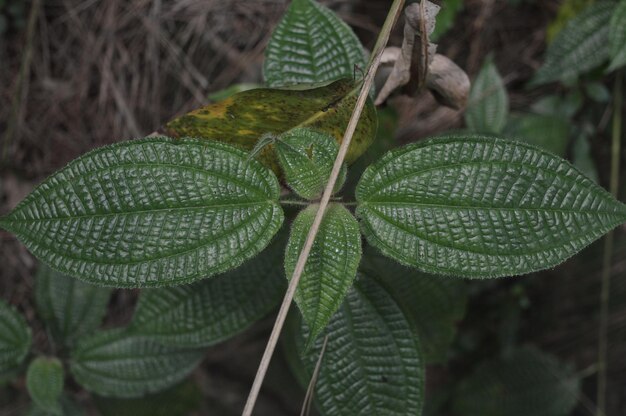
{"x": 246, "y": 116}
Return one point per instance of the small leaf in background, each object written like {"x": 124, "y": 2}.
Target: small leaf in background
{"x": 245, "y": 117}
{"x": 488, "y": 106}
{"x": 433, "y": 305}
{"x": 582, "y": 158}
{"x": 68, "y": 408}
{"x": 617, "y": 36}
{"x": 15, "y": 340}
{"x": 44, "y": 381}
{"x": 446, "y": 18}
{"x": 481, "y": 207}
{"x": 307, "y": 158}
{"x": 554, "y": 105}
{"x": 568, "y": 9}
{"x": 525, "y": 382}
{"x": 548, "y": 132}
{"x": 216, "y": 309}
{"x": 181, "y": 400}
{"x": 598, "y": 92}
{"x": 69, "y": 307}
{"x": 311, "y": 44}
{"x": 115, "y": 363}
{"x": 581, "y": 46}
{"x": 151, "y": 212}
{"x": 331, "y": 266}
{"x": 372, "y": 364}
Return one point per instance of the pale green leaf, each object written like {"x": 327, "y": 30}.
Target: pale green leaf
{"x": 581, "y": 46}
{"x": 372, "y": 364}
{"x": 44, "y": 381}
{"x": 15, "y": 339}
{"x": 546, "y": 131}
{"x": 151, "y": 212}
{"x": 617, "y": 36}
{"x": 213, "y": 310}
{"x": 120, "y": 364}
{"x": 69, "y": 307}
{"x": 331, "y": 266}
{"x": 432, "y": 304}
{"x": 481, "y": 207}
{"x": 311, "y": 45}
{"x": 488, "y": 106}
{"x": 526, "y": 382}
{"x": 307, "y": 158}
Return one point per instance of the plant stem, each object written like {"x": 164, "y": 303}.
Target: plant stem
{"x": 295, "y": 202}
{"x": 605, "y": 291}
{"x": 381, "y": 42}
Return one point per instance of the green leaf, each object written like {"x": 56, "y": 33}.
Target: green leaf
{"x": 581, "y": 46}
{"x": 307, "y": 158}
{"x": 488, "y": 109}
{"x": 431, "y": 304}
{"x": 548, "y": 132}
{"x": 617, "y": 36}
{"x": 582, "y": 158}
{"x": 69, "y": 307}
{"x": 181, "y": 400}
{"x": 446, "y": 18}
{"x": 481, "y": 207}
{"x": 68, "y": 408}
{"x": 246, "y": 117}
{"x": 310, "y": 45}
{"x": 150, "y": 212}
{"x": 15, "y": 339}
{"x": 44, "y": 381}
{"x": 526, "y": 382}
{"x": 372, "y": 364}
{"x": 331, "y": 266}
{"x": 120, "y": 364}
{"x": 213, "y": 310}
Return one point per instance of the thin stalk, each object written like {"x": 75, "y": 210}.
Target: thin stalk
{"x": 605, "y": 291}
{"x": 381, "y": 42}
{"x": 22, "y": 80}
{"x": 310, "y": 391}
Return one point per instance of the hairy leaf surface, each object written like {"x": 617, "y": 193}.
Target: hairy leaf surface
{"x": 488, "y": 108}
{"x": 526, "y": 382}
{"x": 15, "y": 339}
{"x": 372, "y": 364}
{"x": 481, "y": 207}
{"x": 120, "y": 364}
{"x": 582, "y": 45}
{"x": 311, "y": 45}
{"x": 248, "y": 116}
{"x": 69, "y": 307}
{"x": 213, "y": 310}
{"x": 44, "y": 381}
{"x": 331, "y": 266}
{"x": 307, "y": 158}
{"x": 150, "y": 212}
{"x": 617, "y": 36}
{"x": 433, "y": 305}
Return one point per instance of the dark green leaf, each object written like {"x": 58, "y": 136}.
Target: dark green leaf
{"x": 69, "y": 307}
{"x": 446, "y": 18}
{"x": 307, "y": 158}
{"x": 481, "y": 207}
{"x": 488, "y": 106}
{"x": 372, "y": 364}
{"x": 582, "y": 158}
{"x": 44, "y": 381}
{"x": 432, "y": 304}
{"x": 311, "y": 45}
{"x": 548, "y": 132}
{"x": 617, "y": 36}
{"x": 68, "y": 408}
{"x": 213, "y": 310}
{"x": 331, "y": 266}
{"x": 15, "y": 339}
{"x": 120, "y": 364}
{"x": 526, "y": 382}
{"x": 581, "y": 46}
{"x": 151, "y": 212}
